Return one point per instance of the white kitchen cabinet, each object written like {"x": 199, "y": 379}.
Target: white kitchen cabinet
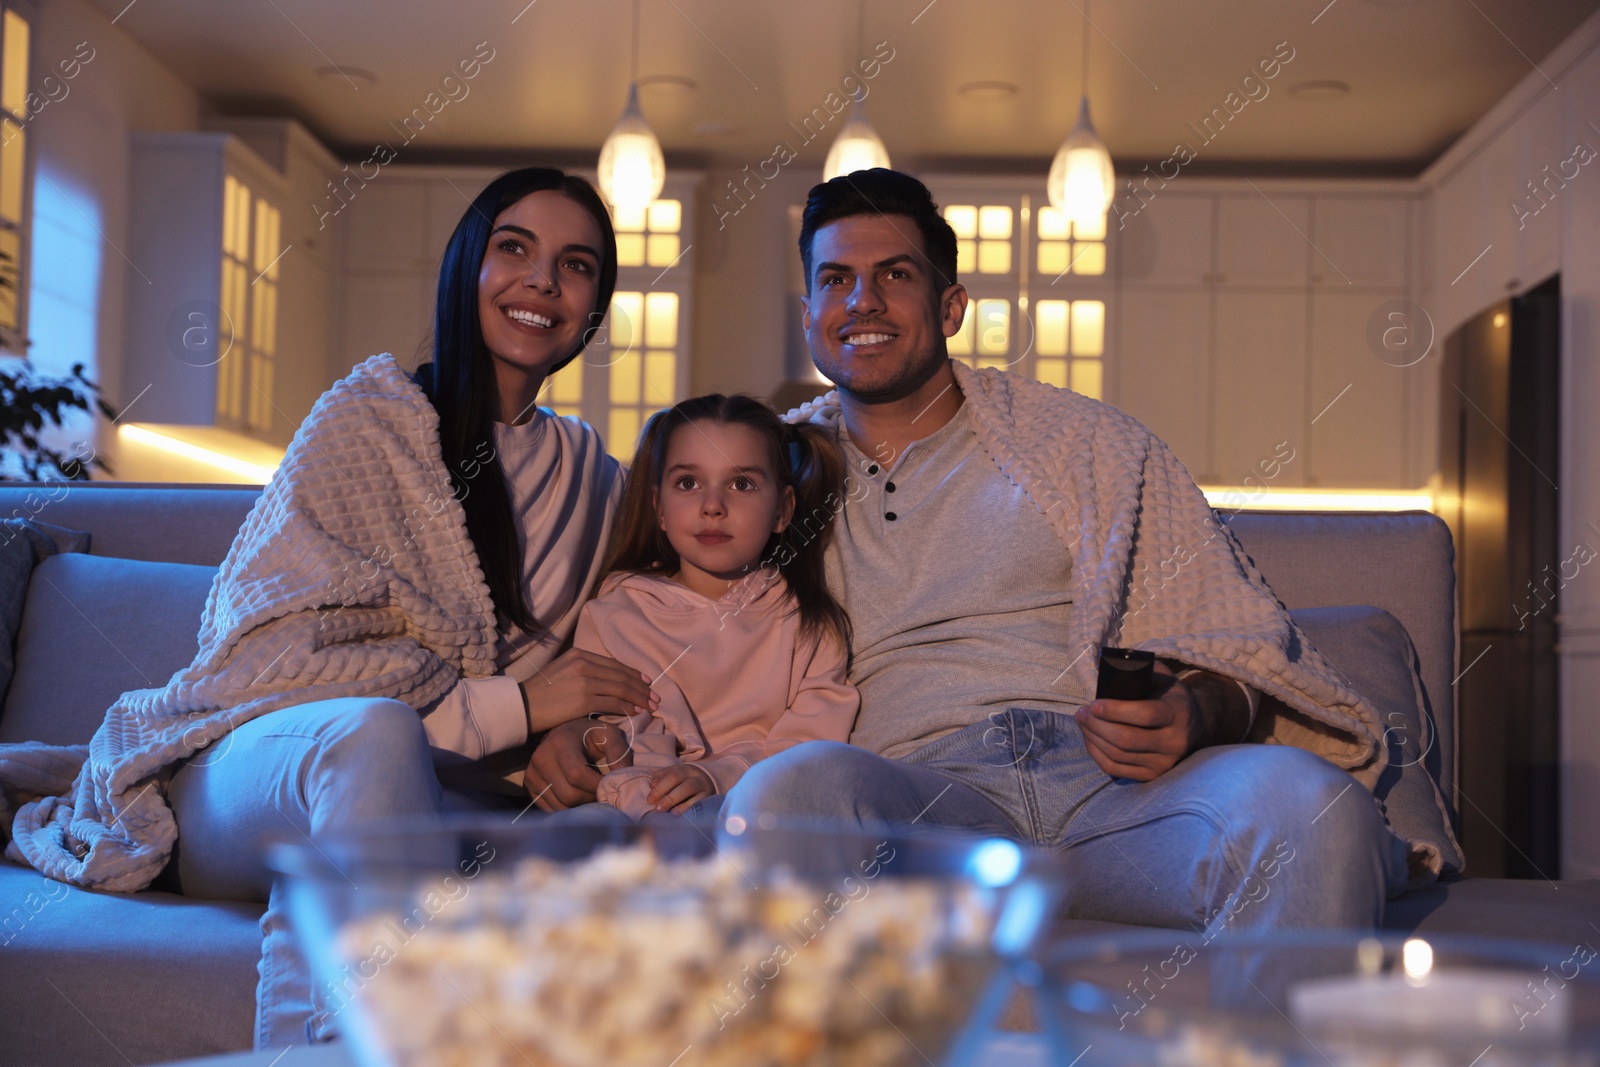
{"x": 1260, "y": 385}
{"x": 1367, "y": 238}
{"x": 1491, "y": 207}
{"x": 1502, "y": 169}
{"x": 382, "y": 224}
{"x": 1263, "y": 243}
{"x": 1357, "y": 436}
{"x": 207, "y": 263}
{"x": 1164, "y": 359}
{"x": 308, "y": 293}
{"x": 1169, "y": 242}
{"x": 1252, "y": 331}
{"x": 386, "y": 313}
{"x": 446, "y": 202}
{"x": 1544, "y": 191}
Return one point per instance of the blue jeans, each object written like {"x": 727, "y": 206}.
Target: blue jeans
{"x": 297, "y": 773}
{"x": 1235, "y": 837}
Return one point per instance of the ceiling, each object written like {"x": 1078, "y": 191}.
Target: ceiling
{"x": 1419, "y": 73}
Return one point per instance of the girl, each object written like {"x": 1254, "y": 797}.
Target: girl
{"x": 717, "y": 594}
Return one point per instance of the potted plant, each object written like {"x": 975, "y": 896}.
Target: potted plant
{"x": 29, "y": 402}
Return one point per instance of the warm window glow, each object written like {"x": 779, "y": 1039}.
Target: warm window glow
{"x": 962, "y": 219}
{"x": 1088, "y": 328}
{"x": 666, "y": 216}
{"x": 1068, "y": 341}
{"x": 563, "y": 390}
{"x": 643, "y": 373}
{"x": 14, "y": 33}
{"x": 994, "y": 327}
{"x": 648, "y": 236}
{"x": 14, "y": 75}
{"x": 1066, "y": 247}
{"x": 661, "y": 320}
{"x": 1050, "y": 326}
{"x": 983, "y": 237}
{"x": 247, "y": 338}
{"x": 960, "y": 343}
{"x": 1022, "y": 263}
{"x": 994, "y": 223}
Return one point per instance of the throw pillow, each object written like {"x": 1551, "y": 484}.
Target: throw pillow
{"x": 95, "y": 627}
{"x": 1372, "y": 651}
{"x": 23, "y": 543}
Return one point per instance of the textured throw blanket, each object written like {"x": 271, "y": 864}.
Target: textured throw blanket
{"x": 352, "y": 576}
{"x": 1153, "y": 567}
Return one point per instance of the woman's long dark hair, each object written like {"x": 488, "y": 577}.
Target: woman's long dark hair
{"x": 460, "y": 382}
{"x": 805, "y": 458}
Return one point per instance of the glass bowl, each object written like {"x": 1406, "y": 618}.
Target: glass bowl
{"x": 1322, "y": 999}
{"x": 550, "y": 944}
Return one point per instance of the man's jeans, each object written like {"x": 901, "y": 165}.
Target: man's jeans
{"x": 1235, "y": 837}
{"x": 296, "y": 773}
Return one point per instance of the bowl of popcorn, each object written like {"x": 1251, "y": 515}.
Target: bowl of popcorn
{"x": 682, "y": 944}
{"x": 1322, "y": 999}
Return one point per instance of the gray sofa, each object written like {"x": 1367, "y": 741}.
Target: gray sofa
{"x": 89, "y": 978}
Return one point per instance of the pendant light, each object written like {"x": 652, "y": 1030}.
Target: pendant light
{"x": 1081, "y": 179}
{"x": 858, "y": 146}
{"x": 632, "y": 170}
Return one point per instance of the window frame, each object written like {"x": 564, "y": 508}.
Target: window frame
{"x": 1023, "y": 287}
{"x": 14, "y": 339}
{"x": 594, "y": 404}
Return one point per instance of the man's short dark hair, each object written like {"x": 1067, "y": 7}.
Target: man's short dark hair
{"x": 881, "y": 192}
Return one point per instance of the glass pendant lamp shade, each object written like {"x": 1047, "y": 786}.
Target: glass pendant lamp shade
{"x": 1080, "y": 178}
{"x": 632, "y": 170}
{"x": 1081, "y": 182}
{"x": 858, "y": 147}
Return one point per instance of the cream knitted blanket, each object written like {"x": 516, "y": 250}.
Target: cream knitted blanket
{"x": 1153, "y": 567}
{"x": 352, "y": 576}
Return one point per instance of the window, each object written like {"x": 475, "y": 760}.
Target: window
{"x": 249, "y": 334}
{"x": 1036, "y": 288}
{"x": 636, "y": 365}
{"x": 14, "y": 45}
{"x": 649, "y": 238}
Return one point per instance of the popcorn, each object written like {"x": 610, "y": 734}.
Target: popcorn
{"x": 627, "y": 959}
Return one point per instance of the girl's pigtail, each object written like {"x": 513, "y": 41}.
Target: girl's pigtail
{"x": 637, "y": 541}
{"x": 817, "y": 470}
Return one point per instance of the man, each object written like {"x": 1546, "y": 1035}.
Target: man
{"x": 994, "y": 533}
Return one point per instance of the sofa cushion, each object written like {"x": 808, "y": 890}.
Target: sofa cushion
{"x": 1373, "y": 653}
{"x": 24, "y": 543}
{"x": 111, "y": 978}
{"x": 93, "y": 628}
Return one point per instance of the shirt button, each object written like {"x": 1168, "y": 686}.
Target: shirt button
{"x": 889, "y": 486}
{"x": 889, "y": 515}
{"x": 872, "y": 469}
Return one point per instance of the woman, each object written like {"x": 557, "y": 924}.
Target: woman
{"x": 526, "y": 280}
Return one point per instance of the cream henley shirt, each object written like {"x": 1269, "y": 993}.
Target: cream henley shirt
{"x": 564, "y": 490}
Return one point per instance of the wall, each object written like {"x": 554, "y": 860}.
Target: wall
{"x": 80, "y": 282}
{"x": 1481, "y": 202}
{"x": 749, "y": 265}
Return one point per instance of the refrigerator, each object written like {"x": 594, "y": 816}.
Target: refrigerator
{"x": 1500, "y": 471}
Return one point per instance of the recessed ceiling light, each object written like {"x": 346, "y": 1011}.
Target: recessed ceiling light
{"x": 670, "y": 82}
{"x": 988, "y": 90}
{"x": 360, "y": 76}
{"x": 1319, "y": 90}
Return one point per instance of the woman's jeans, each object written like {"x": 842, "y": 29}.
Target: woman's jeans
{"x": 1233, "y": 838}
{"x": 297, "y": 773}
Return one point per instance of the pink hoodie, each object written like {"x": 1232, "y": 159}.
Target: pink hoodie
{"x": 736, "y": 682}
